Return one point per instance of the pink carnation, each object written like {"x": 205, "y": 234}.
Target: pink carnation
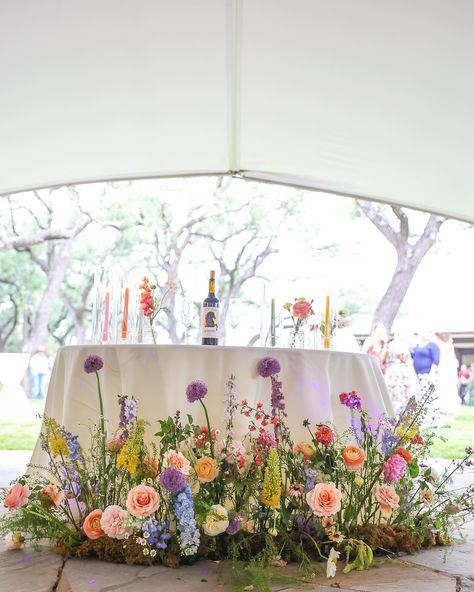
{"x": 394, "y": 468}
{"x": 114, "y": 522}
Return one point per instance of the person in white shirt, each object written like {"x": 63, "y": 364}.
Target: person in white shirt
{"x": 39, "y": 368}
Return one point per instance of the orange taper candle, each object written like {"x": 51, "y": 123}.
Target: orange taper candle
{"x": 327, "y": 322}
{"x": 125, "y": 315}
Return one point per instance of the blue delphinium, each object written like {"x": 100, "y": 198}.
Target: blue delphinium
{"x": 183, "y": 509}
{"x": 311, "y": 478}
{"x": 156, "y": 534}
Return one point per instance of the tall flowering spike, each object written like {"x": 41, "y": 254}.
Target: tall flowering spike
{"x": 351, "y": 400}
{"x": 277, "y": 397}
{"x": 129, "y": 456}
{"x": 196, "y": 390}
{"x": 93, "y": 364}
{"x": 183, "y": 508}
{"x": 268, "y": 367}
{"x": 271, "y": 491}
{"x": 128, "y": 415}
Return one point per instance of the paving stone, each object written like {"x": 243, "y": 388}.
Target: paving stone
{"x": 455, "y": 559}
{"x": 28, "y": 571}
{"x": 396, "y": 577}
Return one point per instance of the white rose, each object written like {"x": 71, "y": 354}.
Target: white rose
{"x": 13, "y": 540}
{"x": 217, "y": 521}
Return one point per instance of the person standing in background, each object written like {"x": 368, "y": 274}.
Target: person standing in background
{"x": 447, "y": 377}
{"x": 464, "y": 378}
{"x": 376, "y": 344}
{"x": 426, "y": 361}
{"x": 39, "y": 368}
{"x": 400, "y": 376}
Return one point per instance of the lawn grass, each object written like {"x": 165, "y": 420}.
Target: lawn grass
{"x": 459, "y": 434}
{"x": 21, "y": 436}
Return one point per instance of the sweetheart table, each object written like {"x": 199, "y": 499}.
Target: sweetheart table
{"x": 157, "y": 375}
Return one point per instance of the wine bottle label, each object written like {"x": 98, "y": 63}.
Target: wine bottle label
{"x": 210, "y": 321}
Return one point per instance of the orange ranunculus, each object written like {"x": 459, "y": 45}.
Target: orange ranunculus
{"x": 354, "y": 457}
{"x": 403, "y": 452}
{"x": 92, "y": 526}
{"x": 302, "y": 309}
{"x": 306, "y": 449}
{"x": 206, "y": 469}
{"x": 324, "y": 499}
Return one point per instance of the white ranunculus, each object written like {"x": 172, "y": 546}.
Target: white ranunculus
{"x": 217, "y": 521}
{"x": 13, "y": 540}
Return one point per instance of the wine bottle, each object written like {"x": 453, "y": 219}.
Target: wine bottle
{"x": 210, "y": 314}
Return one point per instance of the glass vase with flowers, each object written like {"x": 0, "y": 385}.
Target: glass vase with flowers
{"x": 151, "y": 304}
{"x": 299, "y": 311}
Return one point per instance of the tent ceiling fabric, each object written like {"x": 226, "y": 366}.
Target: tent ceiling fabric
{"x": 369, "y": 98}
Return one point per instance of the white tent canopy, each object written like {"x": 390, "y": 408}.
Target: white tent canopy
{"x": 368, "y": 98}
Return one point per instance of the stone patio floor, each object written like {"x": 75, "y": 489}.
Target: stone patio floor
{"x": 443, "y": 569}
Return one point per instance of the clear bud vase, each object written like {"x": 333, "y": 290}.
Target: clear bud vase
{"x": 296, "y": 340}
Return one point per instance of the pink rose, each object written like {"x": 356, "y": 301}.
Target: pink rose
{"x": 52, "y": 495}
{"x": 178, "y": 461}
{"x": 92, "y": 526}
{"x": 142, "y": 500}
{"x": 387, "y": 498}
{"x": 324, "y": 499}
{"x": 301, "y": 309}
{"x": 114, "y": 522}
{"x": 17, "y": 497}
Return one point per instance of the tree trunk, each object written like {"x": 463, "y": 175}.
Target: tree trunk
{"x": 55, "y": 277}
{"x": 391, "y": 301}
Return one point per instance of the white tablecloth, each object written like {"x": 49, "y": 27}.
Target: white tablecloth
{"x": 157, "y": 375}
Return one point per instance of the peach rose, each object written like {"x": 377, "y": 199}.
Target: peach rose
{"x": 52, "y": 496}
{"x": 324, "y": 499}
{"x": 206, "y": 469}
{"x": 17, "y": 497}
{"x": 306, "y": 449}
{"x": 142, "y": 500}
{"x": 354, "y": 457}
{"x": 92, "y": 526}
{"x": 387, "y": 498}
{"x": 114, "y": 522}
{"x": 177, "y": 461}
{"x": 302, "y": 309}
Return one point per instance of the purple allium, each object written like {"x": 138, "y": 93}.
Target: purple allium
{"x": 394, "y": 468}
{"x": 196, "y": 390}
{"x": 172, "y": 480}
{"x": 268, "y": 367}
{"x": 93, "y": 364}
{"x": 234, "y": 526}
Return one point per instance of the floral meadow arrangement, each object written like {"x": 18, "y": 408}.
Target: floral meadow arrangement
{"x": 201, "y": 491}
